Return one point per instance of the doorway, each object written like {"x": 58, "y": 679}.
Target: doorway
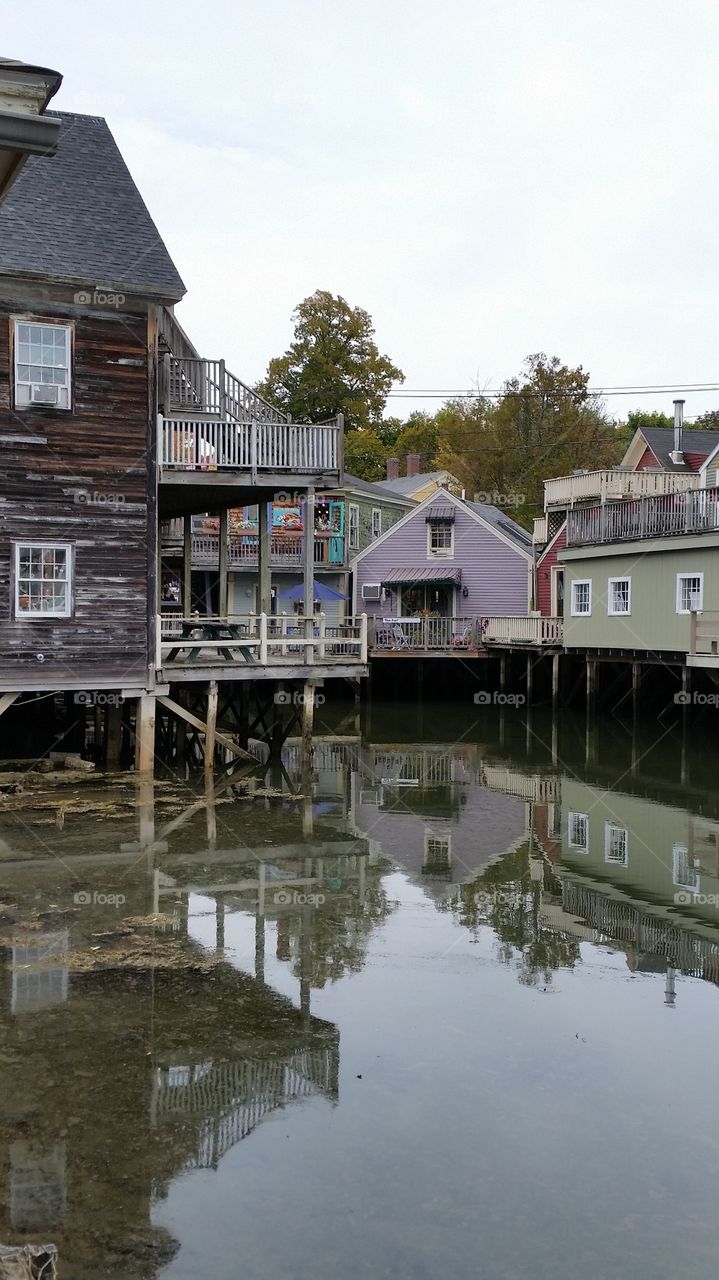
{"x": 557, "y": 600}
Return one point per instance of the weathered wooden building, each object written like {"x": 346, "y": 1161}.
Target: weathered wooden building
{"x": 111, "y": 422}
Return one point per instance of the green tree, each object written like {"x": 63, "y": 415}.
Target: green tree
{"x": 365, "y": 455}
{"x": 545, "y": 423}
{"x": 420, "y": 434}
{"x": 333, "y": 365}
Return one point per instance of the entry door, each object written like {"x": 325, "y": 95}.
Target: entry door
{"x": 557, "y": 602}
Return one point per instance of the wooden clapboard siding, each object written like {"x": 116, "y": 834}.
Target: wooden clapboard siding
{"x": 495, "y": 573}
{"x": 85, "y": 480}
{"x": 545, "y": 564}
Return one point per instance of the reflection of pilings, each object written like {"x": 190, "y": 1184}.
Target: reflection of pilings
{"x": 145, "y": 804}
{"x": 305, "y": 959}
{"x": 670, "y": 989}
{"x": 220, "y": 921}
{"x": 259, "y": 947}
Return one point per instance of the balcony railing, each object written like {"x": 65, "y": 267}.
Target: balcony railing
{"x": 656, "y": 517}
{"x": 564, "y": 491}
{"x": 191, "y": 385}
{"x": 286, "y": 549}
{"x": 286, "y": 447}
{"x": 522, "y": 629}
{"x": 424, "y": 634}
{"x": 258, "y": 639}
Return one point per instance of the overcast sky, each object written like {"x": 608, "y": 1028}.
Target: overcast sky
{"x": 488, "y": 178}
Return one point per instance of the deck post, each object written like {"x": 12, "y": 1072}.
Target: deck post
{"x": 323, "y": 630}
{"x": 263, "y": 639}
{"x": 222, "y": 583}
{"x": 113, "y": 735}
{"x": 211, "y": 726}
{"x": 591, "y": 690}
{"x": 145, "y": 733}
{"x": 636, "y": 688}
{"x": 308, "y": 715}
{"x": 308, "y": 549}
{"x": 264, "y": 571}
{"x": 555, "y": 680}
{"x": 530, "y": 674}
{"x": 503, "y": 672}
{"x": 187, "y": 566}
{"x": 363, "y": 639}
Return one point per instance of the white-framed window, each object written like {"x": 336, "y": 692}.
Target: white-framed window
{"x": 616, "y": 844}
{"x": 353, "y": 526}
{"x": 376, "y": 522}
{"x": 43, "y": 579}
{"x": 578, "y": 831}
{"x": 619, "y": 597}
{"x": 684, "y": 874}
{"x": 581, "y": 597}
{"x": 690, "y": 592}
{"x": 440, "y": 539}
{"x": 42, "y": 364}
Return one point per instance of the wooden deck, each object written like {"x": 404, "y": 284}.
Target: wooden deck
{"x": 460, "y": 637}
{"x": 260, "y": 647}
{"x": 661, "y": 516}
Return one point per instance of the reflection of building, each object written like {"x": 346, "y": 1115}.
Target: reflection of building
{"x": 429, "y": 810}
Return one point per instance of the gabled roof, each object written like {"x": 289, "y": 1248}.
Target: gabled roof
{"x": 77, "y": 217}
{"x": 508, "y": 530}
{"x": 661, "y": 442}
{"x": 407, "y": 485}
{"x": 373, "y": 489}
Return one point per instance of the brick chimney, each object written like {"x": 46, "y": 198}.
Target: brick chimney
{"x": 413, "y": 464}
{"x": 393, "y": 468}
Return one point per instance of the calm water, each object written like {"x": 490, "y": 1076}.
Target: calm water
{"x": 449, "y": 1007}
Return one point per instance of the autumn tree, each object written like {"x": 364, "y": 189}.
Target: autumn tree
{"x": 546, "y": 422}
{"x": 365, "y": 454}
{"x": 333, "y": 365}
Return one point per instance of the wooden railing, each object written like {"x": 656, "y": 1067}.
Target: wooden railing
{"x": 286, "y": 549}
{"x": 664, "y": 515}
{"x": 194, "y": 385}
{"x": 608, "y": 484}
{"x": 286, "y": 447}
{"x": 424, "y": 634}
{"x": 266, "y": 639}
{"x": 704, "y": 633}
{"x": 522, "y": 629}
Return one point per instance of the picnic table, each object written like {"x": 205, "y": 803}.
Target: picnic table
{"x": 195, "y": 636}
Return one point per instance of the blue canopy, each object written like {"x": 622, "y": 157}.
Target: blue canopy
{"x": 321, "y": 592}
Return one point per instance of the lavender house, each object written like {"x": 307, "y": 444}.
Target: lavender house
{"x": 449, "y": 558}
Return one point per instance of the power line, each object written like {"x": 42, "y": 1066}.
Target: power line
{"x": 590, "y": 392}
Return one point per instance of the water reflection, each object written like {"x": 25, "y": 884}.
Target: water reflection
{"x": 164, "y": 950}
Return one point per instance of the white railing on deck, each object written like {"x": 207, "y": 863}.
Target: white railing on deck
{"x": 194, "y": 385}
{"x": 422, "y": 634}
{"x": 704, "y": 633}
{"x": 522, "y": 629}
{"x": 608, "y": 484}
{"x": 250, "y": 446}
{"x": 656, "y": 517}
{"x": 288, "y": 639}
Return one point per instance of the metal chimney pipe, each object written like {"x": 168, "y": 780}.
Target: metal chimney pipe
{"x": 678, "y": 422}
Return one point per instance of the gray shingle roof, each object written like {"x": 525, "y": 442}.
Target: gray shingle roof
{"x": 407, "y": 485}
{"x": 503, "y": 523}
{"x": 78, "y": 217}
{"x": 661, "y": 443}
{"x": 374, "y": 489}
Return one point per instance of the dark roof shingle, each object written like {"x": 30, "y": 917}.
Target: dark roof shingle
{"x": 661, "y": 443}
{"x": 78, "y": 217}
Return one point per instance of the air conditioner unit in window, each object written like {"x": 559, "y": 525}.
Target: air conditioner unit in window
{"x": 44, "y": 393}
{"x": 371, "y": 591}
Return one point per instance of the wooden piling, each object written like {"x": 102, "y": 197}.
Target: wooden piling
{"x": 211, "y": 726}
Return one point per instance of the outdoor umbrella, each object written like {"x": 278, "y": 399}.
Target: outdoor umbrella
{"x": 321, "y": 592}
